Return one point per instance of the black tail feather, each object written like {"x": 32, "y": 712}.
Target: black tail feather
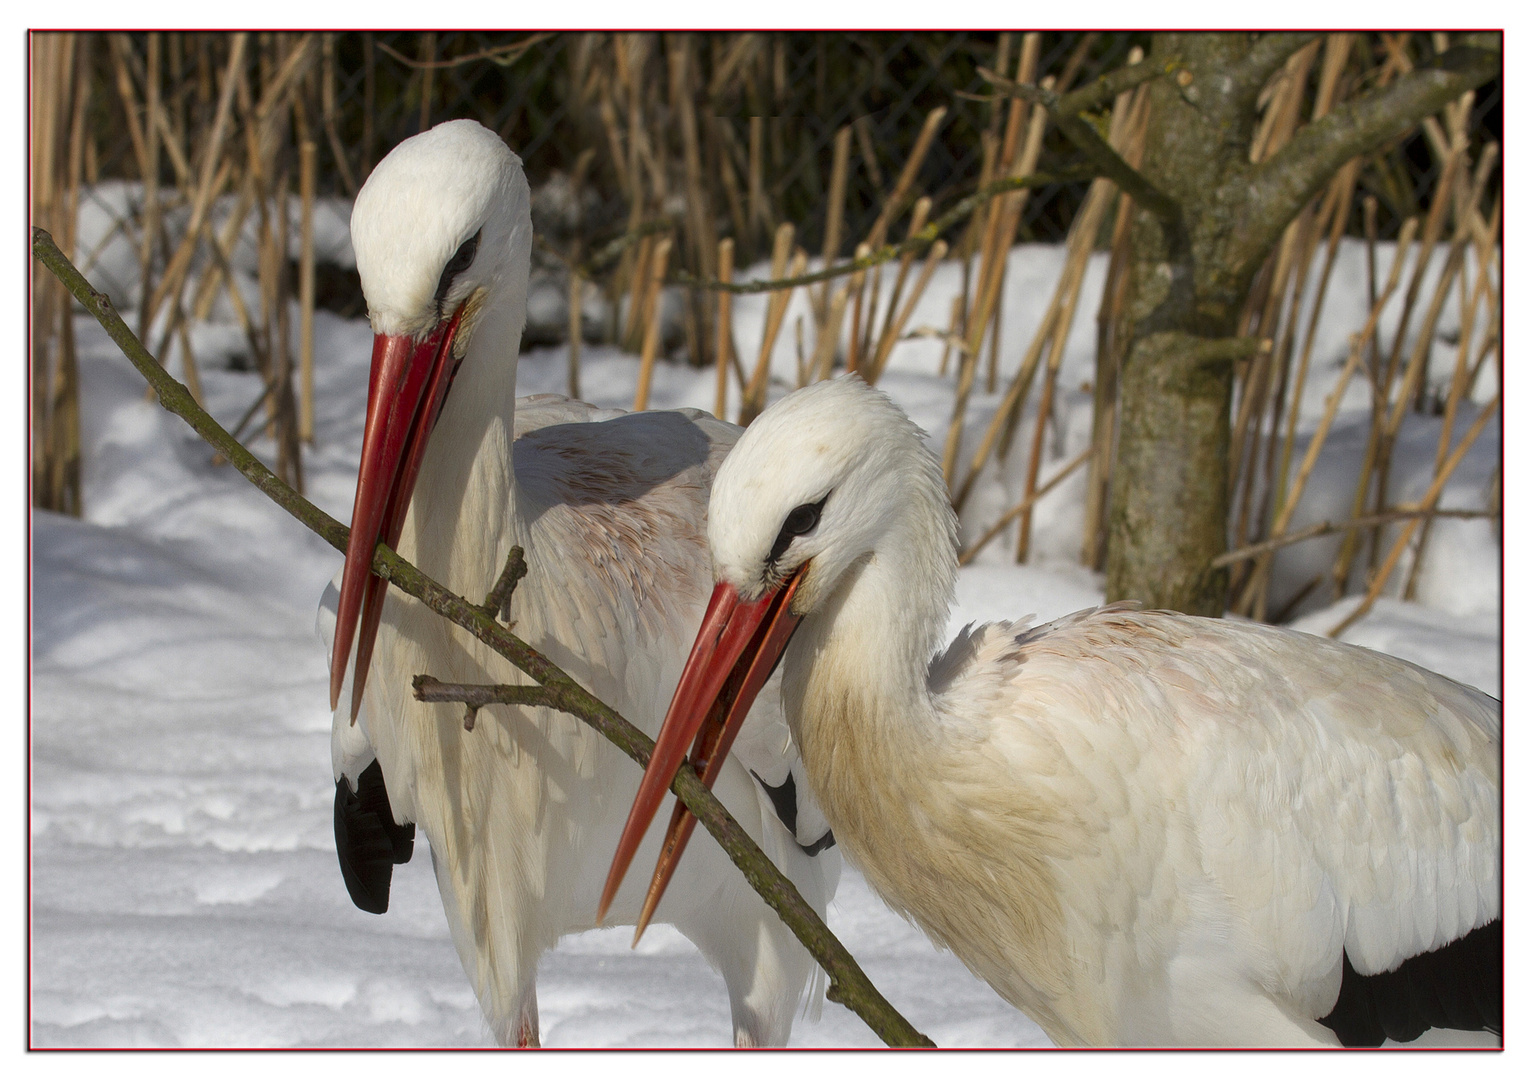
{"x": 368, "y": 839}
{"x": 1457, "y": 986}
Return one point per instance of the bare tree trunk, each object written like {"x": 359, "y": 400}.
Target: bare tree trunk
{"x": 1206, "y": 217}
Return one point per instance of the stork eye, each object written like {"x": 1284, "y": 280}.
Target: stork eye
{"x": 800, "y": 520}
{"x": 460, "y": 262}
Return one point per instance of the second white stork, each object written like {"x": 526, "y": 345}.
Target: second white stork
{"x": 1141, "y": 828}
{"x": 521, "y": 811}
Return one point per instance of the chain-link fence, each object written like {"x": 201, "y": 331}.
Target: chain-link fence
{"x": 547, "y": 94}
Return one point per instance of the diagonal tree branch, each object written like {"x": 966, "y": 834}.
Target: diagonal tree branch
{"x": 848, "y": 984}
{"x": 1272, "y": 193}
{"x": 1269, "y": 52}
{"x": 913, "y": 245}
{"x": 1100, "y": 92}
{"x": 1103, "y": 157}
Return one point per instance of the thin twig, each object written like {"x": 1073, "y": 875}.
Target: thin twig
{"x": 504, "y": 55}
{"x": 889, "y": 252}
{"x": 1027, "y": 504}
{"x": 1323, "y": 528}
{"x": 1104, "y": 158}
{"x": 847, "y": 982}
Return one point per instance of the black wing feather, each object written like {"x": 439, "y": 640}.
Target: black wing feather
{"x": 1457, "y": 986}
{"x": 368, "y": 839}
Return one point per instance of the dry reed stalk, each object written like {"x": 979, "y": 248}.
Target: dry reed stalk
{"x": 895, "y": 202}
{"x": 120, "y": 48}
{"x": 150, "y": 214}
{"x": 754, "y": 397}
{"x": 1432, "y": 230}
{"x": 43, "y": 190}
{"x": 59, "y": 94}
{"x": 969, "y": 553}
{"x": 220, "y": 250}
{"x": 1254, "y": 598}
{"x": 652, "y": 323}
{"x": 180, "y": 262}
{"x": 1342, "y": 568}
{"x": 801, "y": 371}
{"x": 1459, "y": 388}
{"x": 426, "y": 60}
{"x": 865, "y": 344}
{"x": 856, "y": 284}
{"x": 756, "y": 199}
{"x": 1323, "y": 528}
{"x": 887, "y": 342}
{"x": 1343, "y": 186}
{"x": 328, "y": 114}
{"x": 1079, "y": 247}
{"x": 217, "y": 273}
{"x": 1284, "y": 95}
{"x": 639, "y": 281}
{"x": 609, "y": 114}
{"x": 866, "y": 150}
{"x": 1416, "y": 371}
{"x": 987, "y": 292}
{"x": 1126, "y": 134}
{"x": 1281, "y": 101}
{"x": 369, "y": 102}
{"x": 1002, "y": 226}
{"x": 968, "y": 359}
{"x": 574, "y": 301}
{"x": 724, "y": 346}
{"x": 1279, "y": 391}
{"x": 825, "y": 344}
{"x": 955, "y": 317}
{"x": 306, "y": 170}
{"x": 699, "y": 221}
{"x": 1430, "y": 498}
{"x": 188, "y": 357}
{"x": 1246, "y": 430}
{"x": 836, "y": 202}
{"x": 169, "y": 140}
{"x": 1491, "y": 338}
{"x": 726, "y": 148}
{"x": 1003, "y": 214}
{"x": 885, "y": 339}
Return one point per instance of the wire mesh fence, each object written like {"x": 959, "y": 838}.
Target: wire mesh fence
{"x": 769, "y": 106}
{"x": 700, "y": 152}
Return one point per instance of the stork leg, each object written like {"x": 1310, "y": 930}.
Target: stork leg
{"x": 527, "y": 1023}
{"x": 764, "y": 967}
{"x": 761, "y": 970}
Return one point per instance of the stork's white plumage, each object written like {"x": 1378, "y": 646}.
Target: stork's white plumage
{"x": 1139, "y": 827}
{"x": 609, "y": 508}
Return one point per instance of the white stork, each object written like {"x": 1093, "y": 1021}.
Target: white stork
{"x": 1139, "y": 827}
{"x": 609, "y": 508}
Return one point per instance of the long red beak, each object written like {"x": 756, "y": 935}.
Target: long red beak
{"x": 406, "y": 390}
{"x": 734, "y": 655}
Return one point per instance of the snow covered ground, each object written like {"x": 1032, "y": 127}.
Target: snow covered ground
{"x": 184, "y": 889}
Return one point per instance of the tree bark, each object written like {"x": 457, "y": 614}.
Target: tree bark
{"x": 1192, "y": 264}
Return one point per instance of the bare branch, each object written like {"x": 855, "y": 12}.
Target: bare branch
{"x": 1103, "y": 157}
{"x": 1322, "y": 528}
{"x": 848, "y": 984}
{"x": 1272, "y": 193}
{"x": 498, "y": 599}
{"x": 1100, "y": 92}
{"x": 504, "y": 55}
{"x": 1269, "y": 52}
{"x": 913, "y": 245}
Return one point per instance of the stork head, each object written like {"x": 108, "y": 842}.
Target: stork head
{"x": 443, "y": 237}
{"x": 815, "y": 488}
